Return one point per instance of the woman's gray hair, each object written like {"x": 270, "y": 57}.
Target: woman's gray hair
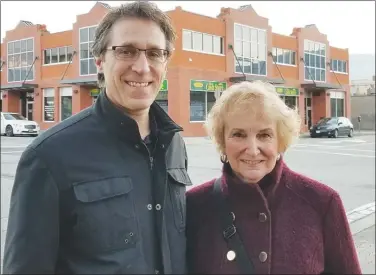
{"x": 138, "y": 9}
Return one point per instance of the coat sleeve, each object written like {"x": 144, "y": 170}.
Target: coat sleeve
{"x": 340, "y": 252}
{"x": 32, "y": 237}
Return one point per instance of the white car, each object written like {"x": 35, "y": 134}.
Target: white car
{"x": 15, "y": 124}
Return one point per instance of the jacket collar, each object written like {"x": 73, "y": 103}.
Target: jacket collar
{"x": 123, "y": 125}
{"x": 267, "y": 187}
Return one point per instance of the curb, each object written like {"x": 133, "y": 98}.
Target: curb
{"x": 361, "y": 218}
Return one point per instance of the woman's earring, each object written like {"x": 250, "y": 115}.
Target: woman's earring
{"x": 278, "y": 156}
{"x": 224, "y": 159}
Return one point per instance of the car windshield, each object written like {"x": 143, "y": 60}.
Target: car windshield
{"x": 327, "y": 120}
{"x": 14, "y": 117}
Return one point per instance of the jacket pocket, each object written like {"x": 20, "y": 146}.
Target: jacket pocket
{"x": 105, "y": 214}
{"x": 179, "y": 180}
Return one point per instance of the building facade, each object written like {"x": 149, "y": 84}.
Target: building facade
{"x": 48, "y": 77}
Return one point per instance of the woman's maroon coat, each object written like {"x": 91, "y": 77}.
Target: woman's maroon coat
{"x": 305, "y": 231}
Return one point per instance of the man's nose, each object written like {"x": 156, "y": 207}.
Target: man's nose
{"x": 141, "y": 64}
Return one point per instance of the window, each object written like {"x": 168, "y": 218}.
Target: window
{"x": 283, "y": 56}
{"x": 202, "y": 42}
{"x": 48, "y": 104}
{"x": 20, "y": 60}
{"x": 162, "y": 100}
{"x": 337, "y": 104}
{"x": 57, "y": 55}
{"x": 315, "y": 61}
{"x": 65, "y": 102}
{"x": 200, "y": 105}
{"x": 87, "y": 63}
{"x": 250, "y": 50}
{"x": 338, "y": 66}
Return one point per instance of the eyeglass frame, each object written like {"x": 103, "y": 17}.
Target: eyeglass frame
{"x": 167, "y": 53}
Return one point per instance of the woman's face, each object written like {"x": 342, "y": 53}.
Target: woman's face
{"x": 251, "y": 145}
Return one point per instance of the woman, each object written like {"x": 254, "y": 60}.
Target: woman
{"x": 287, "y": 223}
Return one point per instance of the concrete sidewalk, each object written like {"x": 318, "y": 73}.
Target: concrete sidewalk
{"x": 365, "y": 246}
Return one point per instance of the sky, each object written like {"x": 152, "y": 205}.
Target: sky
{"x": 347, "y": 24}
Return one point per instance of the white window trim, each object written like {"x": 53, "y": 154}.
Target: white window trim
{"x": 58, "y": 63}
{"x": 320, "y": 81}
{"x": 79, "y": 51}
{"x": 63, "y": 95}
{"x": 44, "y": 90}
{"x": 337, "y": 72}
{"x": 203, "y": 52}
{"x": 284, "y": 64}
{"x": 266, "y": 50}
{"x": 21, "y": 66}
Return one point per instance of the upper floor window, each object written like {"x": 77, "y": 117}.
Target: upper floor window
{"x": 338, "y": 66}
{"x": 87, "y": 62}
{"x": 284, "y": 57}
{"x": 202, "y": 42}
{"x": 250, "y": 49}
{"x": 57, "y": 55}
{"x": 20, "y": 60}
{"x": 315, "y": 61}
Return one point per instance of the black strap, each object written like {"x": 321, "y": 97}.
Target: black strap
{"x": 230, "y": 233}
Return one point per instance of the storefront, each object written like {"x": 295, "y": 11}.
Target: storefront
{"x": 290, "y": 96}
{"x": 94, "y": 93}
{"x": 203, "y": 94}
{"x": 65, "y": 102}
{"x": 162, "y": 97}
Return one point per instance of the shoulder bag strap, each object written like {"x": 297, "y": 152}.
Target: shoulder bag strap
{"x": 236, "y": 251}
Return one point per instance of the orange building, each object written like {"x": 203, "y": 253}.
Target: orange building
{"x": 48, "y": 77}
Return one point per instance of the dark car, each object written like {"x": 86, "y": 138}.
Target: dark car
{"x": 332, "y": 127}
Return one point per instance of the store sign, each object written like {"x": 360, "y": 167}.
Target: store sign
{"x": 95, "y": 92}
{"x": 287, "y": 91}
{"x": 164, "y": 86}
{"x": 207, "y": 86}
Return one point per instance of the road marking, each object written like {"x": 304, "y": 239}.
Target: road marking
{"x": 333, "y": 147}
{"x": 332, "y": 153}
{"x": 11, "y": 152}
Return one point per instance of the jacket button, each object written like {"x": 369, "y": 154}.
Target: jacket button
{"x": 263, "y": 217}
{"x": 162, "y": 146}
{"x": 149, "y": 206}
{"x": 137, "y": 146}
{"x": 158, "y": 207}
{"x": 263, "y": 257}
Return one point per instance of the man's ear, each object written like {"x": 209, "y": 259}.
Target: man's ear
{"x": 99, "y": 64}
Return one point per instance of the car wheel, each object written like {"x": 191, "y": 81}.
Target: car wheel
{"x": 351, "y": 134}
{"x": 9, "y": 131}
{"x": 335, "y": 133}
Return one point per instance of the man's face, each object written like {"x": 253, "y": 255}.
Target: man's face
{"x": 133, "y": 83}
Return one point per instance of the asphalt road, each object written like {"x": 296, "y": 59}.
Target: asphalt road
{"x": 345, "y": 164}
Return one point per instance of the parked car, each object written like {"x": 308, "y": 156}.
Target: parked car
{"x": 332, "y": 127}
{"x": 15, "y": 124}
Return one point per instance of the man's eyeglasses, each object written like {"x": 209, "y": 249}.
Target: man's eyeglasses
{"x": 130, "y": 53}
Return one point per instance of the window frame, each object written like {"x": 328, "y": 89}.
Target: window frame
{"x": 20, "y": 53}
{"x": 307, "y": 51}
{"x": 250, "y": 42}
{"x": 221, "y": 38}
{"x": 43, "y": 104}
{"x": 58, "y": 56}
{"x": 206, "y": 105}
{"x": 79, "y": 51}
{"x": 292, "y": 53}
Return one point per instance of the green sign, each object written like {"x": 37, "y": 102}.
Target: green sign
{"x": 95, "y": 92}
{"x": 164, "y": 86}
{"x": 287, "y": 91}
{"x": 207, "y": 86}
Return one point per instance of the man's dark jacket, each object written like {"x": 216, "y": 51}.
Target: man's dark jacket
{"x": 89, "y": 199}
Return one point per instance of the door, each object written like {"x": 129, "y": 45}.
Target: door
{"x": 309, "y": 117}
{"x": 29, "y": 108}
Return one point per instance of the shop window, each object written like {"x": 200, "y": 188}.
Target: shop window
{"x": 87, "y": 62}
{"x": 200, "y": 105}
{"x": 20, "y": 60}
{"x": 250, "y": 48}
{"x": 162, "y": 100}
{"x": 337, "y": 107}
{"x": 65, "y": 102}
{"x": 48, "y": 105}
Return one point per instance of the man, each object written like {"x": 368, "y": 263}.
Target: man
{"x": 104, "y": 191}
